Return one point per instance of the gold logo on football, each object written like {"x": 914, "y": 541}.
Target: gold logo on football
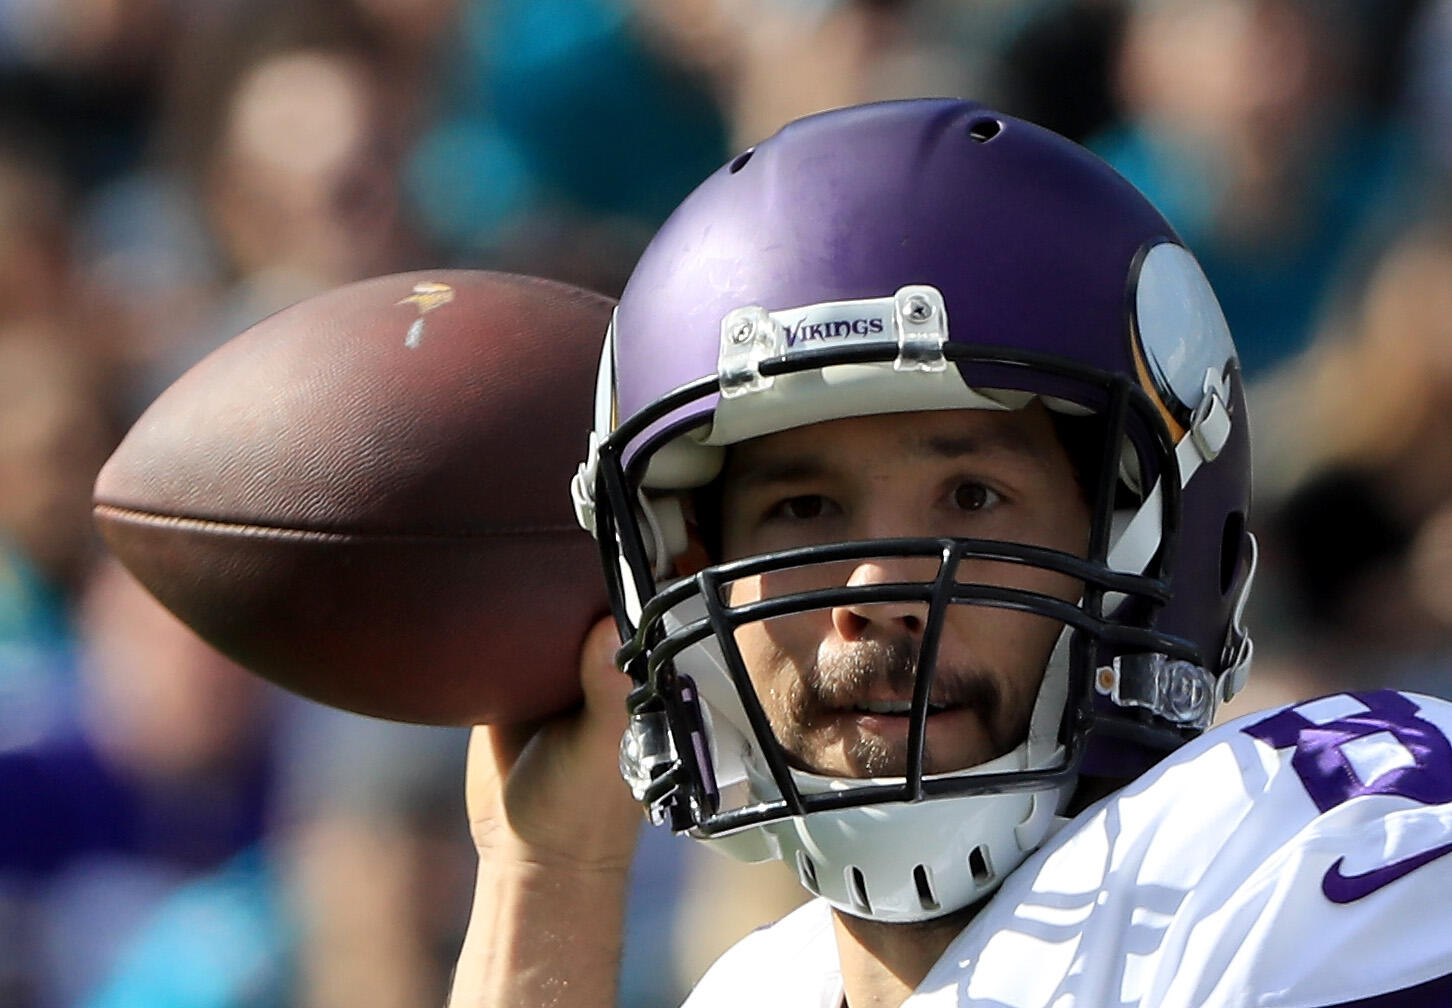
{"x": 427, "y": 295}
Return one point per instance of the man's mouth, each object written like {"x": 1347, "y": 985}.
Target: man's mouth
{"x": 896, "y": 707}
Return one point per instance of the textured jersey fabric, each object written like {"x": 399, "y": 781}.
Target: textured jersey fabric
{"x": 1294, "y": 858}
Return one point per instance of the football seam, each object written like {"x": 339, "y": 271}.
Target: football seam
{"x": 137, "y": 516}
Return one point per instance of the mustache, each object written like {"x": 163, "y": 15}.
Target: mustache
{"x": 849, "y": 677}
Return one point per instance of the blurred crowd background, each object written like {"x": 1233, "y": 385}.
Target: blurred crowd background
{"x": 175, "y": 833}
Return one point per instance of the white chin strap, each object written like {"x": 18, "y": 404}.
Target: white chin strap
{"x": 1209, "y": 430}
{"x": 1138, "y": 535}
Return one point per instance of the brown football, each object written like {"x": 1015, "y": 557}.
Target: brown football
{"x": 365, "y": 497}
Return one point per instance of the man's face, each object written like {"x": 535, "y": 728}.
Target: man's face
{"x": 835, "y": 683}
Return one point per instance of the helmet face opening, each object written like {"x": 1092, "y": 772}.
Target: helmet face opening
{"x": 737, "y": 764}
{"x": 889, "y": 260}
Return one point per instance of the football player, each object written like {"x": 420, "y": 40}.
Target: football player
{"x": 921, "y": 475}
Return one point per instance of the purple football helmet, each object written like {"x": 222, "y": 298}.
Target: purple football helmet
{"x": 899, "y": 257}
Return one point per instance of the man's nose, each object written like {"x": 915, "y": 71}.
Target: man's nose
{"x": 862, "y": 619}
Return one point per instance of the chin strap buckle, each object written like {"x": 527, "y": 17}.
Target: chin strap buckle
{"x": 1211, "y": 422}
{"x": 1176, "y": 690}
{"x": 646, "y": 756}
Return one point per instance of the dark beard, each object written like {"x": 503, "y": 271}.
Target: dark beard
{"x": 843, "y": 680}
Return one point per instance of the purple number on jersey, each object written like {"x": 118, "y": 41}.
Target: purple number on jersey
{"x": 1325, "y": 759}
{"x": 1358, "y": 744}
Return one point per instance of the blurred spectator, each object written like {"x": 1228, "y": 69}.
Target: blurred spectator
{"x": 84, "y": 75}
{"x": 273, "y": 174}
{"x": 301, "y": 185}
{"x": 54, "y": 435}
{"x": 164, "y": 777}
{"x": 1359, "y": 476}
{"x": 35, "y": 204}
{"x": 771, "y": 61}
{"x": 219, "y": 942}
{"x": 1429, "y": 95}
{"x": 52, "y": 441}
{"x": 1054, "y": 65}
{"x": 355, "y": 897}
{"x": 373, "y": 858}
{"x": 564, "y": 132}
{"x": 1246, "y": 122}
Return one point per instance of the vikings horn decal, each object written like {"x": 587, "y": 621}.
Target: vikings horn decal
{"x": 1179, "y": 326}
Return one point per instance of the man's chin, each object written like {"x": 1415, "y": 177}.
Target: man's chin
{"x": 860, "y": 744}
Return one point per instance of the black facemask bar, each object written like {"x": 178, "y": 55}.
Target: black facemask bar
{"x": 683, "y": 786}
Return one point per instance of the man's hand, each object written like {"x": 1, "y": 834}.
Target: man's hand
{"x": 550, "y": 791}
{"x": 555, "y": 828}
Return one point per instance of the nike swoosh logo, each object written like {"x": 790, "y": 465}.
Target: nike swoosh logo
{"x": 1341, "y": 888}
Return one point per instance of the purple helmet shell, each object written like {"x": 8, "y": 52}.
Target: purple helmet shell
{"x": 1030, "y": 238}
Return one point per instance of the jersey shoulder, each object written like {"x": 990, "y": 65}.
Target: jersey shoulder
{"x": 789, "y": 964}
{"x": 1301, "y": 853}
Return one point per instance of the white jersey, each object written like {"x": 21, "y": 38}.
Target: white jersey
{"x": 1294, "y": 858}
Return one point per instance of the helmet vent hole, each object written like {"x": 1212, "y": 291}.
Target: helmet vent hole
{"x": 924, "y": 883}
{"x": 808, "y": 873}
{"x": 984, "y": 130}
{"x": 1230, "y": 539}
{"x": 741, "y": 160}
{"x": 857, "y": 889}
{"x": 978, "y": 865}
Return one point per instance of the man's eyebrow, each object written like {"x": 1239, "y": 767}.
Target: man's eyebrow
{"x": 994, "y": 440}
{"x": 796, "y": 467}
{"x": 773, "y": 471}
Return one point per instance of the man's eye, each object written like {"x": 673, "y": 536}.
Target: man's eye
{"x": 802, "y": 507}
{"x": 973, "y": 497}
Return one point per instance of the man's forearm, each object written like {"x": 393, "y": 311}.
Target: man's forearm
{"x": 542, "y": 937}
